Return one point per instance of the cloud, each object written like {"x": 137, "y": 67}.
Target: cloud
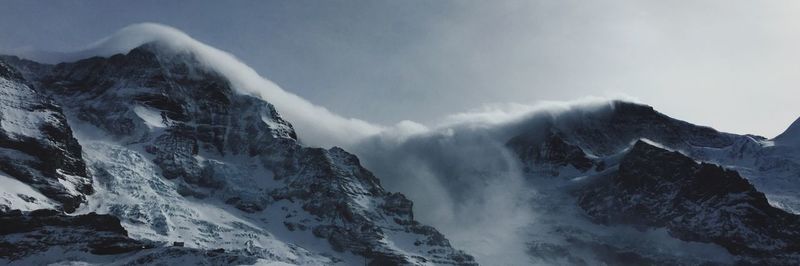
{"x": 465, "y": 181}
{"x": 504, "y": 113}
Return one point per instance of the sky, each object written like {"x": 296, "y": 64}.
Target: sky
{"x": 732, "y": 65}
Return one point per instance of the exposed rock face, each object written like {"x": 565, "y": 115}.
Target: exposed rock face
{"x": 581, "y": 138}
{"x": 608, "y": 129}
{"x": 619, "y": 180}
{"x": 549, "y": 156}
{"x": 36, "y": 143}
{"x": 606, "y": 133}
{"x": 27, "y": 234}
{"x": 695, "y": 202}
{"x": 207, "y": 142}
{"x": 37, "y": 231}
{"x": 337, "y": 182}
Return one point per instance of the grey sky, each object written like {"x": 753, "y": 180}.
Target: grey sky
{"x": 733, "y": 65}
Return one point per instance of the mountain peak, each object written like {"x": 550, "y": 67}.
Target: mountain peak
{"x": 144, "y": 34}
{"x": 608, "y": 128}
{"x": 791, "y": 136}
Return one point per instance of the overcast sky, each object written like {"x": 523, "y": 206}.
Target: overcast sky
{"x": 733, "y": 65}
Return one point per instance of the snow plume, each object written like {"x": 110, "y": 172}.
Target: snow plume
{"x": 512, "y": 113}
{"x": 465, "y": 181}
{"x": 315, "y": 125}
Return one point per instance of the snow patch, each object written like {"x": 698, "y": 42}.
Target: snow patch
{"x": 18, "y": 195}
{"x": 151, "y": 117}
{"x": 16, "y": 121}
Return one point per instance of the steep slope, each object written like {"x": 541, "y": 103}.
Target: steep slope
{"x": 619, "y": 180}
{"x": 694, "y": 202}
{"x": 36, "y": 143}
{"x": 178, "y": 155}
{"x": 44, "y": 237}
{"x": 100, "y": 234}
{"x": 584, "y": 139}
{"x": 612, "y": 127}
{"x": 790, "y": 137}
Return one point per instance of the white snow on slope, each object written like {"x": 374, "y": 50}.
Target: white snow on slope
{"x": 130, "y": 187}
{"x": 17, "y": 122}
{"x": 151, "y": 117}
{"x": 18, "y": 195}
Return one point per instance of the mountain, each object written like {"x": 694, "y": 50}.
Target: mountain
{"x": 156, "y": 155}
{"x": 168, "y": 151}
{"x": 625, "y": 164}
{"x": 694, "y": 202}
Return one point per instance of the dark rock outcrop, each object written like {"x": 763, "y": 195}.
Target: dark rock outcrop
{"x": 25, "y": 233}
{"x": 550, "y": 155}
{"x": 694, "y": 201}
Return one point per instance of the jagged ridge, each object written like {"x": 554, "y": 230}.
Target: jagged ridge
{"x": 694, "y": 201}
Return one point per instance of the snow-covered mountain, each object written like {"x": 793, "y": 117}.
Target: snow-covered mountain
{"x": 630, "y": 165}
{"x": 167, "y": 146}
{"x": 160, "y": 153}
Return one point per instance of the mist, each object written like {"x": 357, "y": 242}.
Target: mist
{"x": 462, "y": 181}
